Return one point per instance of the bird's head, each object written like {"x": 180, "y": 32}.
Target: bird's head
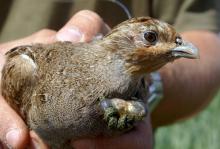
{"x": 146, "y": 44}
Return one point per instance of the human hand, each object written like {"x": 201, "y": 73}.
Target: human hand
{"x": 83, "y": 26}
{"x": 13, "y": 131}
{"x": 140, "y": 138}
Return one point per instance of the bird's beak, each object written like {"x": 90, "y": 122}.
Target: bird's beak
{"x": 187, "y": 50}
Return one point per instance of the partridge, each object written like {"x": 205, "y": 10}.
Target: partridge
{"x": 69, "y": 91}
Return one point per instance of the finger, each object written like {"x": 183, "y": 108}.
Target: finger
{"x": 42, "y": 36}
{"x": 140, "y": 137}
{"x": 13, "y": 131}
{"x": 82, "y": 27}
{"x": 36, "y": 142}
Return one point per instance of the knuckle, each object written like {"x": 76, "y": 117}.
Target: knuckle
{"x": 90, "y": 16}
{"x": 43, "y": 36}
{"x": 88, "y": 12}
{"x": 92, "y": 22}
{"x": 45, "y": 32}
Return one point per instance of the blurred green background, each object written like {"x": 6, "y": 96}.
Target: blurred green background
{"x": 200, "y": 132}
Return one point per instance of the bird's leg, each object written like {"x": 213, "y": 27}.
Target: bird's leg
{"x": 121, "y": 114}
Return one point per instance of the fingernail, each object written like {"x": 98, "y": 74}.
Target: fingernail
{"x": 72, "y": 34}
{"x": 12, "y": 138}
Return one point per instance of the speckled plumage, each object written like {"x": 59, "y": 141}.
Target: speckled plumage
{"x": 57, "y": 88}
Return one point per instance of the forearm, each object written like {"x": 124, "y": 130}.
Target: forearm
{"x": 189, "y": 85}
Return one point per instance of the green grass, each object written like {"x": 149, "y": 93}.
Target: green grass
{"x": 201, "y": 132}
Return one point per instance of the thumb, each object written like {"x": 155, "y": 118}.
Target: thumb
{"x": 82, "y": 27}
{"x": 13, "y": 131}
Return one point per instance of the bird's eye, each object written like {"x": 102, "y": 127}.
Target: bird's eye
{"x": 179, "y": 40}
{"x": 150, "y": 36}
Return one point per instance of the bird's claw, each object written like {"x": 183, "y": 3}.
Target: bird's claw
{"x": 122, "y": 115}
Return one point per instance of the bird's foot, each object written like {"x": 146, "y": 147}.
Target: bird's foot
{"x": 121, "y": 114}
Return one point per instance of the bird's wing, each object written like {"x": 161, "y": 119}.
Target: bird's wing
{"x": 19, "y": 75}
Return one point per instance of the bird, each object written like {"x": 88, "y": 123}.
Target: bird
{"x": 67, "y": 90}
